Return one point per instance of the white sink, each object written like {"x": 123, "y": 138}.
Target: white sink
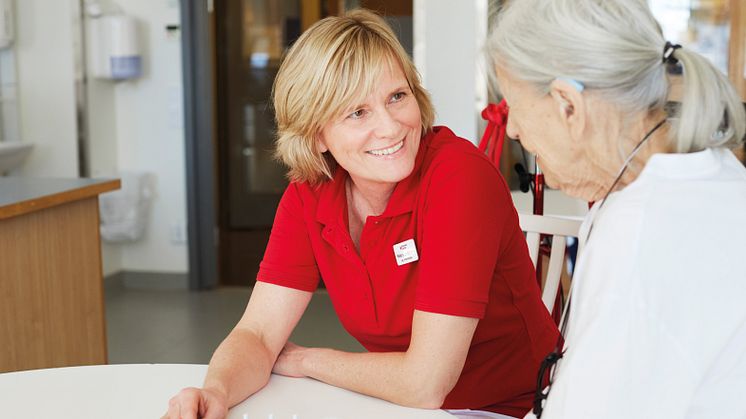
{"x": 12, "y": 154}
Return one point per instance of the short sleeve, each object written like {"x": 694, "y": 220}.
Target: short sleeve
{"x": 467, "y": 212}
{"x": 289, "y": 260}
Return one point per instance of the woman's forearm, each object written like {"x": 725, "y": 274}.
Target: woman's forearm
{"x": 420, "y": 377}
{"x": 239, "y": 367}
{"x": 391, "y": 376}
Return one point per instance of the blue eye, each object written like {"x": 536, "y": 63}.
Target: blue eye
{"x": 398, "y": 96}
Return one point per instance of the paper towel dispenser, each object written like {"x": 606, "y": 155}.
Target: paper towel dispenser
{"x": 114, "y": 47}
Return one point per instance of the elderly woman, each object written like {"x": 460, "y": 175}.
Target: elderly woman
{"x": 657, "y": 320}
{"x": 412, "y": 230}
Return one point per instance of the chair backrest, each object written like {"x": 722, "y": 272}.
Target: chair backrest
{"x": 560, "y": 228}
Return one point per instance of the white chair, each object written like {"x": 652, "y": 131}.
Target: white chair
{"x": 558, "y": 227}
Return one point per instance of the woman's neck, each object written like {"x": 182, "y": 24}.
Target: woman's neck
{"x": 622, "y": 136}
{"x": 368, "y": 198}
{"x": 654, "y": 126}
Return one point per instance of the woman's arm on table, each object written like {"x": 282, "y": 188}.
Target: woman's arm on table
{"x": 242, "y": 363}
{"x": 420, "y": 377}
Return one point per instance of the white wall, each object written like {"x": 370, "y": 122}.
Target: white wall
{"x": 133, "y": 126}
{"x": 8, "y": 97}
{"x": 448, "y": 37}
{"x": 46, "y": 95}
{"x": 138, "y": 126}
{"x": 102, "y": 148}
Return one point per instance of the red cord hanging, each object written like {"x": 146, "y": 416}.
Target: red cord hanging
{"x": 494, "y": 135}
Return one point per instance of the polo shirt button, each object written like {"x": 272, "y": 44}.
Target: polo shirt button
{"x": 376, "y": 222}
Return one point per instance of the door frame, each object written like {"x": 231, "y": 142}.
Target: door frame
{"x": 199, "y": 130}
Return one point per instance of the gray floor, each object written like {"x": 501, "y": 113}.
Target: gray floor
{"x": 179, "y": 326}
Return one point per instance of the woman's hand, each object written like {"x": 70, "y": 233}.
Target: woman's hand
{"x": 290, "y": 361}
{"x": 194, "y": 403}
{"x": 242, "y": 364}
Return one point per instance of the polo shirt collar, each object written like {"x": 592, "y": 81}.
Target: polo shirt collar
{"x": 402, "y": 200}
{"x": 332, "y": 205}
{"x": 333, "y": 199}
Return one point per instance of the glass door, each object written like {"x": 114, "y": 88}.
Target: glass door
{"x": 254, "y": 36}
{"x": 715, "y": 29}
{"x": 251, "y": 36}
{"x": 702, "y": 25}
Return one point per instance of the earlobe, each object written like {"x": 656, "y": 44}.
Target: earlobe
{"x": 320, "y": 145}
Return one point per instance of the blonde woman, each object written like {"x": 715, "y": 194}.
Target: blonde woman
{"x": 657, "y": 321}
{"x": 413, "y": 231}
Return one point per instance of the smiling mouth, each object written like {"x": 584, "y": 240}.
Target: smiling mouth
{"x": 387, "y": 151}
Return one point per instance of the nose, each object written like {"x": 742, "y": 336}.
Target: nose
{"x": 387, "y": 125}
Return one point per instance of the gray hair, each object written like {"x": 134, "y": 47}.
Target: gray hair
{"x": 616, "y": 48}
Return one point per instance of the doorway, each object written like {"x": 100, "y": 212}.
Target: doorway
{"x": 251, "y": 37}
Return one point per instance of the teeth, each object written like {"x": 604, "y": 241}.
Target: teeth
{"x": 386, "y": 151}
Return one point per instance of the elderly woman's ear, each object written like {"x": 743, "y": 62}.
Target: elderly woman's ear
{"x": 568, "y": 95}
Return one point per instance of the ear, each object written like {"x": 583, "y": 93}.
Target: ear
{"x": 320, "y": 144}
{"x": 570, "y": 105}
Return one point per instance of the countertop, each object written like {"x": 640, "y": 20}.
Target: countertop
{"x": 21, "y": 195}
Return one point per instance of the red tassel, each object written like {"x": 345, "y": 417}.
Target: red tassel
{"x": 494, "y": 135}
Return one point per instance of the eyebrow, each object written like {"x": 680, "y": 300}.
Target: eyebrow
{"x": 399, "y": 89}
{"x": 359, "y": 105}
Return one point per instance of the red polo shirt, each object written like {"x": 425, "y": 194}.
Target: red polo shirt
{"x": 473, "y": 262}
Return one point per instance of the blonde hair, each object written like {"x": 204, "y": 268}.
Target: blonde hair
{"x": 333, "y": 65}
{"x": 616, "y": 48}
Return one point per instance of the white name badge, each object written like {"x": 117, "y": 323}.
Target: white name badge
{"x": 405, "y": 252}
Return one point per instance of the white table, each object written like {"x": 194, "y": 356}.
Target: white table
{"x": 142, "y": 391}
